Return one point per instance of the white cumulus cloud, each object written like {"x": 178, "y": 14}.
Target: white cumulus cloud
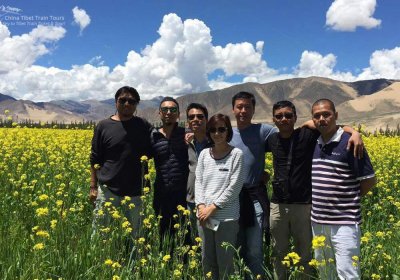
{"x": 383, "y": 63}
{"x": 81, "y": 18}
{"x": 19, "y": 52}
{"x": 347, "y": 15}
{"x": 183, "y": 59}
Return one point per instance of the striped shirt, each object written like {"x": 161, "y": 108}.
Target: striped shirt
{"x": 336, "y": 177}
{"x": 220, "y": 181}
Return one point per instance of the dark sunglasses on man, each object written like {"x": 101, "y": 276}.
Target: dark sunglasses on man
{"x": 171, "y": 109}
{"x": 287, "y": 116}
{"x": 130, "y": 101}
{"x": 198, "y": 116}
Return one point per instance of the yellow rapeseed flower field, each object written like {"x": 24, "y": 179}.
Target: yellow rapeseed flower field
{"x": 46, "y": 217}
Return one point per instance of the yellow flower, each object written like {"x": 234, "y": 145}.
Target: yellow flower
{"x": 209, "y": 274}
{"x": 38, "y": 246}
{"x": 291, "y": 258}
{"x": 43, "y": 197}
{"x": 146, "y": 190}
{"x": 126, "y": 224}
{"x": 131, "y": 206}
{"x": 144, "y": 158}
{"x": 313, "y": 262}
{"x": 198, "y": 239}
{"x": 143, "y": 262}
{"x": 35, "y": 228}
{"x": 116, "y": 265}
{"x": 53, "y": 224}
{"x": 115, "y": 277}
{"x": 96, "y": 166}
{"x": 166, "y": 258}
{"x": 42, "y": 212}
{"x": 375, "y": 276}
{"x": 177, "y": 273}
{"x": 59, "y": 203}
{"x": 318, "y": 241}
{"x": 141, "y": 240}
{"x": 108, "y": 262}
{"x": 43, "y": 233}
{"x": 116, "y": 215}
{"x": 180, "y": 208}
{"x": 177, "y": 226}
{"x": 193, "y": 264}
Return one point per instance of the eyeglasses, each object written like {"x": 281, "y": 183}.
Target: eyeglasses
{"x": 199, "y": 116}
{"x": 131, "y": 101}
{"x": 288, "y": 116}
{"x": 221, "y": 129}
{"x": 171, "y": 109}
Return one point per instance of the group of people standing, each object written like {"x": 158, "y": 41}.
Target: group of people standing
{"x": 320, "y": 174}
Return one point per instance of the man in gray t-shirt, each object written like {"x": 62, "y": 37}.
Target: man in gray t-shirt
{"x": 252, "y": 140}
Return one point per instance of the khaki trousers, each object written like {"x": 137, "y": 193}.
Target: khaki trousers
{"x": 290, "y": 221}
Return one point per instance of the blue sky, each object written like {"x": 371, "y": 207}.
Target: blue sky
{"x": 87, "y": 49}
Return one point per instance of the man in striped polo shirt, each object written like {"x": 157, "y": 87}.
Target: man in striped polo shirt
{"x": 338, "y": 182}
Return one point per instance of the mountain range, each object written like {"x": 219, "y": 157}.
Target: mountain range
{"x": 374, "y": 103}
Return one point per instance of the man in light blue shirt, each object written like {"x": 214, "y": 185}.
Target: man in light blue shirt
{"x": 252, "y": 140}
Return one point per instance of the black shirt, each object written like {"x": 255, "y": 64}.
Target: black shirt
{"x": 299, "y": 182}
{"x": 117, "y": 147}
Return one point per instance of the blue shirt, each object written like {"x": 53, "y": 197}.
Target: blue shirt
{"x": 252, "y": 140}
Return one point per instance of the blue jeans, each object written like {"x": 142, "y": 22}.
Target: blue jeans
{"x": 251, "y": 241}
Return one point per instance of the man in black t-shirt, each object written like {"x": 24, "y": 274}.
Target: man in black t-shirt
{"x": 118, "y": 144}
{"x": 292, "y": 151}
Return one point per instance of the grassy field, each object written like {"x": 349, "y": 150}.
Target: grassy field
{"x": 46, "y": 218}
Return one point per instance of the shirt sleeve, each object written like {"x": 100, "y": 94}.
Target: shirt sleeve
{"x": 362, "y": 168}
{"x": 235, "y": 183}
{"x": 96, "y": 156}
{"x": 198, "y": 185}
{"x": 267, "y": 131}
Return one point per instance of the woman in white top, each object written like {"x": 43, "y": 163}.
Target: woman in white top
{"x": 219, "y": 179}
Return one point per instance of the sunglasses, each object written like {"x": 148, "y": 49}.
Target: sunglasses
{"x": 171, "y": 109}
{"x": 198, "y": 116}
{"x": 221, "y": 129}
{"x": 287, "y": 116}
{"x": 131, "y": 101}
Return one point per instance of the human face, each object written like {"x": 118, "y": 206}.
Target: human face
{"x": 324, "y": 119}
{"x": 243, "y": 110}
{"x": 126, "y": 106}
{"x": 169, "y": 112}
{"x": 219, "y": 133}
{"x": 284, "y": 119}
{"x": 197, "y": 120}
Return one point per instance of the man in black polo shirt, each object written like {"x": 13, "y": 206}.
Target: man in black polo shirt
{"x": 292, "y": 151}
{"x": 116, "y": 174}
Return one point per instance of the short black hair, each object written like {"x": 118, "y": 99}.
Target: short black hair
{"x": 127, "y": 89}
{"x": 284, "y": 104}
{"x": 244, "y": 95}
{"x": 197, "y": 106}
{"x": 169, "y": 98}
{"x": 324, "y": 100}
{"x": 212, "y": 122}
